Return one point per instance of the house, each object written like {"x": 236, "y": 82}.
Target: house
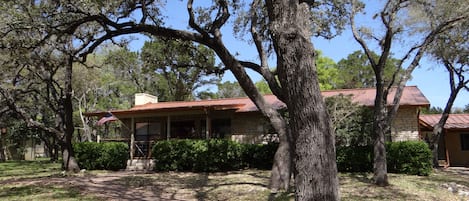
{"x": 236, "y": 118}
{"x": 453, "y": 147}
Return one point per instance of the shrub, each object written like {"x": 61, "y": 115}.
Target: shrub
{"x": 114, "y": 155}
{"x": 107, "y": 156}
{"x": 210, "y": 155}
{"x": 259, "y": 156}
{"x": 86, "y": 154}
{"x": 409, "y": 157}
{"x": 354, "y": 158}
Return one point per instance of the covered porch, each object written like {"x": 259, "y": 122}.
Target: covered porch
{"x": 140, "y": 130}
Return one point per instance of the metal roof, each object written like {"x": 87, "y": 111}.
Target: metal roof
{"x": 411, "y": 96}
{"x": 455, "y": 121}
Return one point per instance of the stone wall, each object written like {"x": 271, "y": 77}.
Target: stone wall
{"x": 405, "y": 125}
{"x": 251, "y": 128}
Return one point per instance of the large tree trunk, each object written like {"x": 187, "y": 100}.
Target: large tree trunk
{"x": 69, "y": 161}
{"x": 281, "y": 170}
{"x": 313, "y": 139}
{"x": 380, "y": 129}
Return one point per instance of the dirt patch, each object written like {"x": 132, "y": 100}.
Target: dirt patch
{"x": 156, "y": 186}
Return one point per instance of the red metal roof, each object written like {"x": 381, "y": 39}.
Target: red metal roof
{"x": 411, "y": 96}
{"x": 455, "y": 121}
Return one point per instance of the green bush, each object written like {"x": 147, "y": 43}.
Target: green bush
{"x": 259, "y": 156}
{"x": 210, "y": 155}
{"x": 354, "y": 158}
{"x": 97, "y": 156}
{"x": 409, "y": 157}
{"x": 86, "y": 154}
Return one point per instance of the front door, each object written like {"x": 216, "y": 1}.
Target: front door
{"x": 145, "y": 135}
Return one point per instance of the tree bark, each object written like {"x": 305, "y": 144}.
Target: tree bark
{"x": 69, "y": 161}
{"x": 439, "y": 127}
{"x": 380, "y": 128}
{"x": 282, "y": 167}
{"x": 2, "y": 151}
{"x": 314, "y": 146}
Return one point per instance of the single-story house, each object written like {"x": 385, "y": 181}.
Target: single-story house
{"x": 453, "y": 147}
{"x": 236, "y": 118}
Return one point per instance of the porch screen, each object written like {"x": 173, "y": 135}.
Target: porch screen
{"x": 145, "y": 134}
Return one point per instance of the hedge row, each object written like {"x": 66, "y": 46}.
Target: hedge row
{"x": 407, "y": 157}
{"x": 101, "y": 156}
{"x": 211, "y": 155}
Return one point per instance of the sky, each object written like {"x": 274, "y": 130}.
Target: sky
{"x": 429, "y": 77}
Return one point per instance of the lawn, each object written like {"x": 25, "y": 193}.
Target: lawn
{"x": 42, "y": 180}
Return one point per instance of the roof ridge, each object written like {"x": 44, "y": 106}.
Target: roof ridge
{"x": 363, "y": 89}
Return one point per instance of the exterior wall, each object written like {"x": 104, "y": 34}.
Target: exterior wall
{"x": 251, "y": 128}
{"x": 457, "y": 157}
{"x": 405, "y": 125}
{"x": 34, "y": 150}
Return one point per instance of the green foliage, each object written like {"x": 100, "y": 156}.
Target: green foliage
{"x": 181, "y": 67}
{"x": 409, "y": 157}
{"x": 356, "y": 72}
{"x": 258, "y": 156}
{"x": 328, "y": 73}
{"x": 210, "y": 155}
{"x": 351, "y": 122}
{"x": 432, "y": 110}
{"x": 354, "y": 158}
{"x": 107, "y": 156}
{"x": 263, "y": 87}
{"x": 229, "y": 90}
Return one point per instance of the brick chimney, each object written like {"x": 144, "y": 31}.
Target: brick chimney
{"x": 143, "y": 98}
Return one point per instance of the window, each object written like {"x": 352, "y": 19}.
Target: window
{"x": 221, "y": 128}
{"x": 465, "y": 142}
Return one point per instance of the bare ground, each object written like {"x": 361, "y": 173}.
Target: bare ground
{"x": 241, "y": 185}
{"x": 246, "y": 185}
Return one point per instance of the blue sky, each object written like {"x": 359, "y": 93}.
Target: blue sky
{"x": 430, "y": 77}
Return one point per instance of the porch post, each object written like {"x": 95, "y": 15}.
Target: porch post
{"x": 132, "y": 138}
{"x": 446, "y": 148}
{"x": 168, "y": 127}
{"x": 208, "y": 124}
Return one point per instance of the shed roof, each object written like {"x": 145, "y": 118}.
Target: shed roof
{"x": 455, "y": 121}
{"x": 411, "y": 96}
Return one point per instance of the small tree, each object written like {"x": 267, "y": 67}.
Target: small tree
{"x": 399, "y": 19}
{"x": 351, "y": 122}
{"x": 451, "y": 49}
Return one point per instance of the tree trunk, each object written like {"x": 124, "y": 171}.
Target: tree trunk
{"x": 439, "y": 127}
{"x": 68, "y": 161}
{"x": 281, "y": 169}
{"x": 2, "y": 151}
{"x": 380, "y": 129}
{"x": 314, "y": 146}
{"x": 67, "y": 150}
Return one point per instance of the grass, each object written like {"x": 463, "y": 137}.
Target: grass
{"x": 42, "y": 180}
{"x": 18, "y": 181}
{"x": 27, "y": 169}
